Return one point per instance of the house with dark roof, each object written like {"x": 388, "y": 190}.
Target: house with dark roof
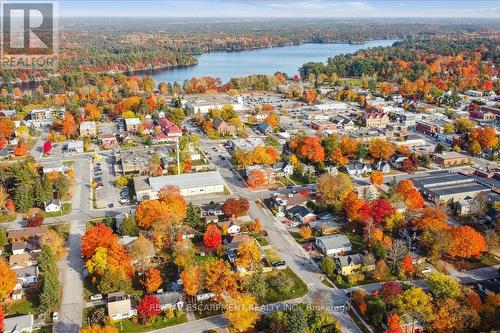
{"x": 264, "y": 128}
{"x": 222, "y": 127}
{"x": 301, "y": 214}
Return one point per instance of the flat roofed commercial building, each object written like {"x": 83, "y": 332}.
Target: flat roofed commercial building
{"x": 449, "y": 187}
{"x": 189, "y": 184}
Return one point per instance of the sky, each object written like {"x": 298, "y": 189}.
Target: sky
{"x": 279, "y": 8}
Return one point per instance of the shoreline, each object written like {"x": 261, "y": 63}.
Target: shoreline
{"x": 33, "y": 84}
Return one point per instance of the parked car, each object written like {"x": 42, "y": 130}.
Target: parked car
{"x": 96, "y": 297}
{"x": 55, "y": 316}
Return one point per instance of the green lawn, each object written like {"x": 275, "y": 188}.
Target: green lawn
{"x": 294, "y": 288}
{"x": 9, "y": 217}
{"x": 65, "y": 209}
{"x": 205, "y": 309}
{"x": 271, "y": 255}
{"x": 127, "y": 326}
{"x": 62, "y": 230}
{"x": 357, "y": 242}
{"x": 327, "y": 283}
{"x": 21, "y": 307}
{"x": 262, "y": 240}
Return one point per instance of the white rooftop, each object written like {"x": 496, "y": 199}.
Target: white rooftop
{"x": 187, "y": 180}
{"x": 132, "y": 121}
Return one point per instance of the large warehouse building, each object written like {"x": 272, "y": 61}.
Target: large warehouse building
{"x": 449, "y": 187}
{"x": 190, "y": 184}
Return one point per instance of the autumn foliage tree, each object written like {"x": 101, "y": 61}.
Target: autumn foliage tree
{"x": 8, "y": 280}
{"x": 148, "y": 212}
{"x": 248, "y": 255}
{"x": 176, "y": 206}
{"x": 240, "y": 310}
{"x": 68, "y": 124}
{"x": 377, "y": 178}
{"x": 235, "y": 207}
{"x": 466, "y": 242}
{"x": 308, "y": 147}
{"x": 152, "y": 280}
{"x": 305, "y": 232}
{"x": 212, "y": 237}
{"x": 354, "y": 207}
{"x": 47, "y": 147}
{"x": 148, "y": 307}
{"x": 256, "y": 178}
{"x": 380, "y": 209}
{"x": 393, "y": 324}
{"x": 380, "y": 149}
{"x": 218, "y": 277}
{"x": 191, "y": 280}
{"x": 7, "y": 126}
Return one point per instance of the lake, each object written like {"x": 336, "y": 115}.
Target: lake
{"x": 287, "y": 59}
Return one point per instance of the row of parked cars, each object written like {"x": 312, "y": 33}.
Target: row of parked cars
{"x": 98, "y": 176}
{"x": 124, "y": 196}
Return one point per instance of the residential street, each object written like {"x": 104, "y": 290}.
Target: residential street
{"x": 295, "y": 256}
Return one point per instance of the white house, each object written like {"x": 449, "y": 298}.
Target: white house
{"x": 333, "y": 245}
{"x": 53, "y": 167}
{"x": 74, "y": 147}
{"x": 121, "y": 309}
{"x": 53, "y": 205}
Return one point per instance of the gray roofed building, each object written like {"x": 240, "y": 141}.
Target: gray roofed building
{"x": 18, "y": 324}
{"x": 334, "y": 244}
{"x": 449, "y": 187}
{"x": 189, "y": 184}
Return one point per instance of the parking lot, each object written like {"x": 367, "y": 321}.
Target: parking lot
{"x": 107, "y": 195}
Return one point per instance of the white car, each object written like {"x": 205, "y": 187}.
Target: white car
{"x": 96, "y": 297}
{"x": 426, "y": 270}
{"x": 55, "y": 316}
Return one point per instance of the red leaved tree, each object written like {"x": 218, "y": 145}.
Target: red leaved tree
{"x": 35, "y": 221}
{"x": 148, "y": 307}
{"x": 47, "y": 147}
{"x": 212, "y": 237}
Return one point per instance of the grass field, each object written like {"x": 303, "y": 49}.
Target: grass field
{"x": 293, "y": 288}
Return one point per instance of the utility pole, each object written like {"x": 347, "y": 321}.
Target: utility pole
{"x": 178, "y": 156}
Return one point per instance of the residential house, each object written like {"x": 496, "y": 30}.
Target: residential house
{"x": 53, "y": 205}
{"x": 428, "y": 127}
{"x": 348, "y": 264}
{"x": 120, "y": 307}
{"x": 332, "y": 170}
{"x": 88, "y": 129}
{"x": 132, "y": 125}
{"x": 20, "y": 235}
{"x": 342, "y": 122}
{"x": 358, "y": 168}
{"x": 301, "y": 214}
{"x": 170, "y": 300}
{"x": 223, "y": 128}
{"x": 325, "y": 227}
{"x": 211, "y": 210}
{"x": 23, "y": 260}
{"x": 396, "y": 161}
{"x": 375, "y": 119}
{"x": 283, "y": 169}
{"x": 333, "y": 245}
{"x": 107, "y": 141}
{"x": 26, "y": 276}
{"x": 382, "y": 166}
{"x": 264, "y": 128}
{"x": 233, "y": 225}
{"x": 487, "y": 287}
{"x": 464, "y": 206}
{"x": 282, "y": 202}
{"x": 18, "y": 324}
{"x": 30, "y": 246}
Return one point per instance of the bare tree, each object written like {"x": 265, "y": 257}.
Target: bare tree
{"x": 395, "y": 254}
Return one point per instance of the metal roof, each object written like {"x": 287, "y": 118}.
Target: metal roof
{"x": 188, "y": 180}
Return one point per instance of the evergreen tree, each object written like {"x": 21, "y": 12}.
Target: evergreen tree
{"x": 61, "y": 186}
{"x": 297, "y": 322}
{"x": 24, "y": 198}
{"x": 50, "y": 296}
{"x": 3, "y": 238}
{"x": 193, "y": 218}
{"x": 257, "y": 286}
